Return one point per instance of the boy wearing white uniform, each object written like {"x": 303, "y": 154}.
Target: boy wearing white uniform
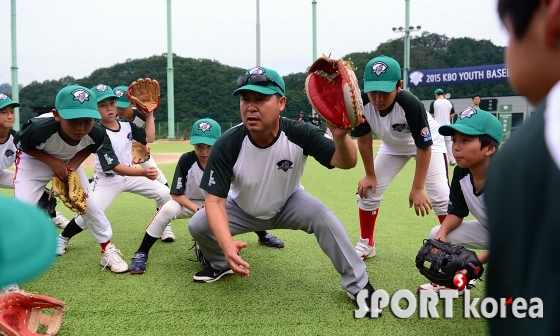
{"x": 7, "y": 147}
{"x": 442, "y": 110}
{"x": 406, "y": 130}
{"x": 59, "y": 145}
{"x": 476, "y": 137}
{"x": 125, "y": 111}
{"x": 114, "y": 171}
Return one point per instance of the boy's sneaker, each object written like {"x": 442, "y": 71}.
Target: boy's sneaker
{"x": 271, "y": 240}
{"x": 436, "y": 288}
{"x": 364, "y": 250}
{"x": 370, "y": 290}
{"x": 59, "y": 220}
{"x": 209, "y": 274}
{"x": 138, "y": 263}
{"x": 112, "y": 259}
{"x": 9, "y": 288}
{"x": 61, "y": 245}
{"x": 168, "y": 235}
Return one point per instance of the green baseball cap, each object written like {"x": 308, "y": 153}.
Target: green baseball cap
{"x": 205, "y": 132}
{"x": 438, "y": 91}
{"x": 75, "y": 101}
{"x": 474, "y": 121}
{"x": 382, "y": 74}
{"x": 27, "y": 241}
{"x": 103, "y": 92}
{"x": 7, "y": 101}
{"x": 261, "y": 80}
{"x": 120, "y": 92}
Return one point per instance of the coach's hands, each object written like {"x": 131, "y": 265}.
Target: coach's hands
{"x": 151, "y": 173}
{"x": 419, "y": 199}
{"x": 235, "y": 262}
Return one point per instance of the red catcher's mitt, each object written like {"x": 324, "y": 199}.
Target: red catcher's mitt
{"x": 144, "y": 94}
{"x": 21, "y": 313}
{"x": 333, "y": 91}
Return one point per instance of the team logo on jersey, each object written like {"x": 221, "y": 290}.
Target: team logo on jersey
{"x": 256, "y": 71}
{"x": 400, "y": 127}
{"x": 467, "y": 113}
{"x": 379, "y": 68}
{"x": 101, "y": 88}
{"x": 179, "y": 184}
{"x": 80, "y": 95}
{"x": 119, "y": 93}
{"x": 9, "y": 153}
{"x": 3, "y": 96}
{"x": 425, "y": 133}
{"x": 416, "y": 77}
{"x": 129, "y": 136}
{"x": 108, "y": 159}
{"x": 204, "y": 126}
{"x": 285, "y": 165}
{"x": 211, "y": 178}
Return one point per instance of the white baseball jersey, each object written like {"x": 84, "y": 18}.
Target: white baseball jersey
{"x": 117, "y": 147}
{"x": 464, "y": 198}
{"x": 8, "y": 151}
{"x": 188, "y": 175}
{"x": 262, "y": 179}
{"x": 406, "y": 127}
{"x": 442, "y": 109}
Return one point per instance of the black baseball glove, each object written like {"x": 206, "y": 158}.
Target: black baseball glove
{"x": 439, "y": 261}
{"x": 48, "y": 202}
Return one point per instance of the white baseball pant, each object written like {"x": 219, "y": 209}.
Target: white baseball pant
{"x": 168, "y": 212}
{"x": 471, "y": 234}
{"x": 151, "y": 163}
{"x": 7, "y": 179}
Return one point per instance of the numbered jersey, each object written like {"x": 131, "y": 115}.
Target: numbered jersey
{"x": 263, "y": 178}
{"x": 407, "y": 126}
{"x": 8, "y": 151}
{"x": 188, "y": 175}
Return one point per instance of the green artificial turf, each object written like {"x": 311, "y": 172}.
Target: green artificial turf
{"x": 291, "y": 291}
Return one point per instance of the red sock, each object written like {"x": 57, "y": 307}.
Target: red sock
{"x": 104, "y": 245}
{"x": 367, "y": 224}
{"x": 441, "y": 218}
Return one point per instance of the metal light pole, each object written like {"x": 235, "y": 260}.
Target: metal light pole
{"x": 258, "y": 35}
{"x": 170, "y": 88}
{"x": 15, "y": 84}
{"x": 314, "y": 11}
{"x": 407, "y": 29}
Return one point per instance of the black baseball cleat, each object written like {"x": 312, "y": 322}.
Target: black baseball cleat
{"x": 209, "y": 274}
{"x": 271, "y": 240}
{"x": 370, "y": 290}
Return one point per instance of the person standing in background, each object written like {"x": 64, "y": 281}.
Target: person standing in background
{"x": 442, "y": 110}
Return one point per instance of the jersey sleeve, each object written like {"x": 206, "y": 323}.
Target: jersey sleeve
{"x": 138, "y": 133}
{"x": 364, "y": 128}
{"x": 432, "y": 108}
{"x": 452, "y": 109}
{"x": 107, "y": 157}
{"x": 311, "y": 139}
{"x": 416, "y": 117}
{"x": 457, "y": 204}
{"x": 182, "y": 172}
{"x": 98, "y": 135}
{"x": 34, "y": 132}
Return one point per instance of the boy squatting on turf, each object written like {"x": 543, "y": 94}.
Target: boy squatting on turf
{"x": 523, "y": 187}
{"x": 267, "y": 147}
{"x": 475, "y": 136}
{"x": 406, "y": 130}
{"x": 59, "y": 144}
{"x": 115, "y": 173}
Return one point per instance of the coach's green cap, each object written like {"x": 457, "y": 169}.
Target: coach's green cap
{"x": 120, "y": 92}
{"x": 261, "y": 80}
{"x": 27, "y": 241}
{"x": 473, "y": 121}
{"x": 382, "y": 74}
{"x": 7, "y": 101}
{"x": 75, "y": 101}
{"x": 438, "y": 91}
{"x": 205, "y": 132}
{"x": 103, "y": 92}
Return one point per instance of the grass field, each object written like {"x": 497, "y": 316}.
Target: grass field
{"x": 293, "y": 291}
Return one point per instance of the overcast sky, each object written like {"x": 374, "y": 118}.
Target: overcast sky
{"x": 58, "y": 38}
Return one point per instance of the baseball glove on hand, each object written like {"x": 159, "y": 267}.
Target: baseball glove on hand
{"x": 22, "y": 313}
{"x": 439, "y": 261}
{"x": 71, "y": 194}
{"x": 144, "y": 94}
{"x": 140, "y": 153}
{"x": 333, "y": 91}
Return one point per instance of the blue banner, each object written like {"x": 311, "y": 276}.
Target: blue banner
{"x": 477, "y": 74}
